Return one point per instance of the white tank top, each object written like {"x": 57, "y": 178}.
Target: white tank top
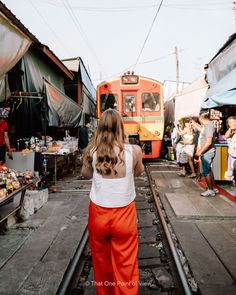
{"x": 114, "y": 192}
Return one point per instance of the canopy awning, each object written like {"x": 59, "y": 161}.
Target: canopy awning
{"x": 221, "y": 75}
{"x": 14, "y": 45}
{"x": 225, "y": 98}
{"x": 188, "y": 103}
{"x": 63, "y": 111}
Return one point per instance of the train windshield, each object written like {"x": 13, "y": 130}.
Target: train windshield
{"x": 151, "y": 102}
{"x": 108, "y": 101}
{"x": 129, "y": 100}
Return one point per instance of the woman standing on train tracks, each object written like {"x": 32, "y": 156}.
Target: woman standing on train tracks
{"x": 112, "y": 164}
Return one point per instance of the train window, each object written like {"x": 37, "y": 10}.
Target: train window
{"x": 151, "y": 102}
{"x": 129, "y": 101}
{"x": 108, "y": 101}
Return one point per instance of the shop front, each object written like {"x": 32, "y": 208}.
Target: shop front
{"x": 220, "y": 99}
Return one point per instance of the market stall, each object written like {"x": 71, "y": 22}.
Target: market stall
{"x": 14, "y": 184}
{"x": 221, "y": 97}
{"x": 42, "y": 155}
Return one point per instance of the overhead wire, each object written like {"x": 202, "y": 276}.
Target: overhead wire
{"x": 49, "y": 27}
{"x": 80, "y": 30}
{"x": 183, "y": 5}
{"x": 148, "y": 34}
{"x": 144, "y": 62}
{"x": 179, "y": 5}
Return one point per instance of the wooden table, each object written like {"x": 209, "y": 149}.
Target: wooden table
{"x": 55, "y": 158}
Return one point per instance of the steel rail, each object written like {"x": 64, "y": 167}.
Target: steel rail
{"x": 174, "y": 253}
{"x": 62, "y": 289}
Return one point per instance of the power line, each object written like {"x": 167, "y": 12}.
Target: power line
{"x": 140, "y": 63}
{"x": 49, "y": 27}
{"x": 183, "y": 6}
{"x": 80, "y": 29}
{"x": 149, "y": 32}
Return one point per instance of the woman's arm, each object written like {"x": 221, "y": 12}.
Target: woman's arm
{"x": 87, "y": 171}
{"x": 228, "y": 133}
{"x": 181, "y": 132}
{"x": 137, "y": 160}
{"x": 7, "y": 143}
{"x": 196, "y": 125}
{"x": 87, "y": 168}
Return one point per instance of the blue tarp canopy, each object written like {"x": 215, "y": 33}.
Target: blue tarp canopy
{"x": 225, "y": 98}
{"x": 221, "y": 76}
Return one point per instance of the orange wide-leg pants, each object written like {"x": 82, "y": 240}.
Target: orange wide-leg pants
{"x": 113, "y": 237}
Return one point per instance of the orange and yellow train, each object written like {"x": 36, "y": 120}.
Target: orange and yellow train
{"x": 140, "y": 103}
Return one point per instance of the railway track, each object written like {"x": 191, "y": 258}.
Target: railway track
{"x": 160, "y": 267}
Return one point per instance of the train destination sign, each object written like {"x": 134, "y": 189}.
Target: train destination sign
{"x": 129, "y": 79}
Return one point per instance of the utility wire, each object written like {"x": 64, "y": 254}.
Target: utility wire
{"x": 183, "y": 6}
{"x": 50, "y": 28}
{"x": 148, "y": 34}
{"x": 140, "y": 63}
{"x": 80, "y": 29}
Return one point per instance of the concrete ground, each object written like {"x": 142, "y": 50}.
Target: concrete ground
{"x": 205, "y": 229}
{"x": 35, "y": 254}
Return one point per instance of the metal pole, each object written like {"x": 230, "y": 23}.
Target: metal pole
{"x": 177, "y": 69}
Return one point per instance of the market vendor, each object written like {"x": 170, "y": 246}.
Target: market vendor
{"x": 4, "y": 138}
{"x": 84, "y": 136}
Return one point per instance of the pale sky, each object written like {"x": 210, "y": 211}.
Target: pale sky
{"x": 109, "y": 34}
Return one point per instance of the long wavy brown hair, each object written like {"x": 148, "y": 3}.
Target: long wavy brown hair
{"x": 110, "y": 133}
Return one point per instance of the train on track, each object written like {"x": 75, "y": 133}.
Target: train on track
{"x": 140, "y": 103}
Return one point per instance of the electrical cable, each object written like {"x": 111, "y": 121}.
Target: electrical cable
{"x": 144, "y": 62}
{"x": 148, "y": 34}
{"x": 49, "y": 27}
{"x": 187, "y": 5}
{"x": 80, "y": 29}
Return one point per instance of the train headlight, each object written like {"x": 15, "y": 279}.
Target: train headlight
{"x": 157, "y": 133}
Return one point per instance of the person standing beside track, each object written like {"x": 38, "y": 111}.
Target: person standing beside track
{"x": 187, "y": 148}
{"x": 83, "y": 137}
{"x": 112, "y": 164}
{"x": 206, "y": 151}
{"x": 4, "y": 138}
{"x": 231, "y": 135}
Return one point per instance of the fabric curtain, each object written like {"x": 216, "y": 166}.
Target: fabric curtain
{"x": 63, "y": 111}
{"x": 4, "y": 88}
{"x": 221, "y": 75}
{"x": 220, "y": 68}
{"x": 221, "y": 99}
{"x": 13, "y": 45}
{"x": 36, "y": 69}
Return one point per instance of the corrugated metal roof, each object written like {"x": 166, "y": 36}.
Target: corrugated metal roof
{"x": 72, "y": 64}
{"x": 76, "y": 65}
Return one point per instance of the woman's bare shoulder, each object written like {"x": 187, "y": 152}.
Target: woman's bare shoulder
{"x": 136, "y": 150}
